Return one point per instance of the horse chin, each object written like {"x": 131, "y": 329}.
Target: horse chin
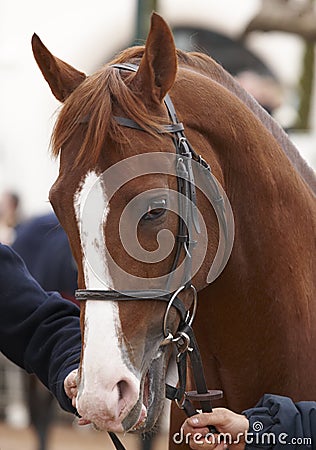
{"x": 146, "y": 412}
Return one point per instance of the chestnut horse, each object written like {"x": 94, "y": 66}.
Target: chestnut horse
{"x": 255, "y": 323}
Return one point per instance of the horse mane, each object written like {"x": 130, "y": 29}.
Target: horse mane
{"x": 216, "y": 72}
{"x": 93, "y": 103}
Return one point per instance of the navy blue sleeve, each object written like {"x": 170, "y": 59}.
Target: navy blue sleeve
{"x": 39, "y": 331}
{"x": 277, "y": 422}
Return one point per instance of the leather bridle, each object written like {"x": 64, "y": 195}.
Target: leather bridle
{"x": 184, "y": 338}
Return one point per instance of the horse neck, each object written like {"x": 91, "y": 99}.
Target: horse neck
{"x": 268, "y": 284}
{"x": 218, "y": 74}
{"x": 274, "y": 210}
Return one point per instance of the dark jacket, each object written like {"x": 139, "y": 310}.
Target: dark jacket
{"x": 279, "y": 423}
{"x": 39, "y": 331}
{"x": 43, "y": 245}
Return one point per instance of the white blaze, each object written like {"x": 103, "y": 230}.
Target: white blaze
{"x": 92, "y": 208}
{"x": 102, "y": 366}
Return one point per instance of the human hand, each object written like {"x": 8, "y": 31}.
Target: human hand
{"x": 71, "y": 389}
{"x": 233, "y": 425}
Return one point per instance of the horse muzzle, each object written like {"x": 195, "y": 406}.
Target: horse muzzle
{"x": 106, "y": 405}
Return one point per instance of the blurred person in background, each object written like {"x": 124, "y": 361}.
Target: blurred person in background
{"x": 10, "y": 216}
{"x": 43, "y": 245}
{"x": 15, "y": 411}
{"x": 266, "y": 90}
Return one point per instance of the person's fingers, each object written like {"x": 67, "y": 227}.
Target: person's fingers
{"x": 188, "y": 430}
{"x": 70, "y": 384}
{"x": 217, "y": 417}
{"x": 82, "y": 421}
{"x": 71, "y": 379}
{"x": 200, "y": 437}
{"x": 71, "y": 389}
{"x": 226, "y": 421}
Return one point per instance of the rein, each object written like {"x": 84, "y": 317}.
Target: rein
{"x": 184, "y": 339}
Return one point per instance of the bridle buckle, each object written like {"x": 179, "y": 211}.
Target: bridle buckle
{"x": 168, "y": 336}
{"x": 182, "y": 342}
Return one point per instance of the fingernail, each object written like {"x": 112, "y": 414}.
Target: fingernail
{"x": 194, "y": 421}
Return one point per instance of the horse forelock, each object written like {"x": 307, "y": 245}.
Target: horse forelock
{"x": 93, "y": 105}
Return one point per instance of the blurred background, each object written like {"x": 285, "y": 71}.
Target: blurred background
{"x": 274, "y": 38}
{"x": 268, "y": 45}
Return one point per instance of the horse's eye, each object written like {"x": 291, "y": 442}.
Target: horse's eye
{"x": 155, "y": 209}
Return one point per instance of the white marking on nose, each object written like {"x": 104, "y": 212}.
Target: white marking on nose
{"x": 108, "y": 388}
{"x": 92, "y": 208}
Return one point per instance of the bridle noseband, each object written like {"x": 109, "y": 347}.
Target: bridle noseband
{"x": 184, "y": 338}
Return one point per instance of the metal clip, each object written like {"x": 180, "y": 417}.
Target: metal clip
{"x": 204, "y": 163}
{"x": 165, "y": 320}
{"x": 168, "y": 339}
{"x": 189, "y": 318}
{"x": 183, "y": 344}
{"x": 185, "y": 245}
{"x": 182, "y": 142}
{"x": 180, "y": 404}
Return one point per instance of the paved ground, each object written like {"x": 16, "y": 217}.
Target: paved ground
{"x": 64, "y": 437}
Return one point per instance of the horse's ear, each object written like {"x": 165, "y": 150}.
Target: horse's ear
{"x": 61, "y": 77}
{"x": 158, "y": 67}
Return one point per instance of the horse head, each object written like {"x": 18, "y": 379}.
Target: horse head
{"x": 117, "y": 197}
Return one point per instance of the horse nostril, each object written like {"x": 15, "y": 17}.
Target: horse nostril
{"x": 123, "y": 389}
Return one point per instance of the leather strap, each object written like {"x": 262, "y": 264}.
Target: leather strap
{"x": 91, "y": 294}
{"x": 129, "y": 123}
{"x": 116, "y": 441}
